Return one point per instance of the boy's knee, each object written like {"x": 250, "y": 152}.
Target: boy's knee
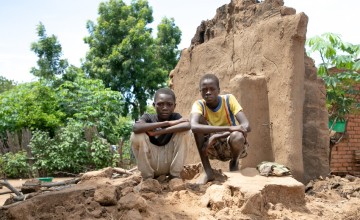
{"x": 237, "y": 136}
{"x": 182, "y": 138}
{"x": 184, "y": 133}
{"x": 135, "y": 138}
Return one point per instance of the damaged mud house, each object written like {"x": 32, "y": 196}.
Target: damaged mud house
{"x": 257, "y": 51}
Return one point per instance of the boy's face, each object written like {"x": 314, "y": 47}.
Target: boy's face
{"x": 209, "y": 91}
{"x": 164, "y": 105}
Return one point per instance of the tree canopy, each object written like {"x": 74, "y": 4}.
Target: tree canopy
{"x": 76, "y": 114}
{"x": 6, "y": 84}
{"x": 49, "y": 53}
{"x": 29, "y": 105}
{"x": 344, "y": 57}
{"x": 125, "y": 55}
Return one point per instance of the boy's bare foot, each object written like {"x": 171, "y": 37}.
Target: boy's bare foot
{"x": 204, "y": 178}
{"x": 234, "y": 165}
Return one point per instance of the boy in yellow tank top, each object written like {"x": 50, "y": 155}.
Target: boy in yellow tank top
{"x": 219, "y": 126}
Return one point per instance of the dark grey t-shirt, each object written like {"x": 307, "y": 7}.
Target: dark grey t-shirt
{"x": 163, "y": 139}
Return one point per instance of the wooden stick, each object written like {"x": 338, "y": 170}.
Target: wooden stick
{"x": 66, "y": 173}
{"x": 133, "y": 169}
{"x": 7, "y": 192}
{"x": 61, "y": 183}
{"x": 19, "y": 196}
{"x": 122, "y": 171}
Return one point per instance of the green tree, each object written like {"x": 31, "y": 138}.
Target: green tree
{"x": 6, "y": 84}
{"x": 88, "y": 101}
{"x": 334, "y": 53}
{"x": 30, "y": 105}
{"x": 124, "y": 54}
{"x": 49, "y": 52}
{"x": 71, "y": 73}
{"x": 168, "y": 39}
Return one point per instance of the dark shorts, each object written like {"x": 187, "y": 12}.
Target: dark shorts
{"x": 220, "y": 150}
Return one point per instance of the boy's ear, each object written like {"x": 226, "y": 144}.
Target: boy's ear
{"x": 154, "y": 104}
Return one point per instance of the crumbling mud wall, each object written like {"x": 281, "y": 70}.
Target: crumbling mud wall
{"x": 316, "y": 138}
{"x": 257, "y": 51}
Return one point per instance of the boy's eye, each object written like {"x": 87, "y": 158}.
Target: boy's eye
{"x": 204, "y": 90}
{"x": 167, "y": 104}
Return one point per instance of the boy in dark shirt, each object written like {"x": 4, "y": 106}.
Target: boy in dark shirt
{"x": 219, "y": 126}
{"x": 160, "y": 141}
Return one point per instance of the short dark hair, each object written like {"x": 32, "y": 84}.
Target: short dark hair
{"x": 166, "y": 91}
{"x": 210, "y": 76}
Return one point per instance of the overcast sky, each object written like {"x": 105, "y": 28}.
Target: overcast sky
{"x": 67, "y": 20}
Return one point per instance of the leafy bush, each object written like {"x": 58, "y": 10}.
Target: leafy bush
{"x": 67, "y": 151}
{"x": 40, "y": 146}
{"x": 102, "y": 155}
{"x": 14, "y": 165}
{"x": 29, "y": 105}
{"x": 340, "y": 92}
{"x": 127, "y": 152}
{"x": 89, "y": 102}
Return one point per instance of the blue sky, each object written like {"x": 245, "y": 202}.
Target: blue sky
{"x": 67, "y": 20}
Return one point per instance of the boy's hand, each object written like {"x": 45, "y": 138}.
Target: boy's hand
{"x": 175, "y": 122}
{"x": 151, "y": 133}
{"x": 238, "y": 128}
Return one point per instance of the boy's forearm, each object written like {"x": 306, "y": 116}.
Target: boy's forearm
{"x": 145, "y": 127}
{"x": 243, "y": 121}
{"x": 207, "y": 129}
{"x": 246, "y": 126}
{"x": 221, "y": 135}
{"x": 183, "y": 126}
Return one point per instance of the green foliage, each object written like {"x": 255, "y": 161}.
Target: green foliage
{"x": 124, "y": 127}
{"x": 76, "y": 104}
{"x": 334, "y": 53}
{"x": 67, "y": 151}
{"x": 150, "y": 109}
{"x": 102, "y": 155}
{"x": 124, "y": 54}
{"x": 127, "y": 151}
{"x": 49, "y": 52}
{"x": 30, "y": 105}
{"x": 89, "y": 102}
{"x": 71, "y": 73}
{"x": 168, "y": 39}
{"x": 58, "y": 110}
{"x": 6, "y": 84}
{"x": 14, "y": 165}
{"x": 41, "y": 148}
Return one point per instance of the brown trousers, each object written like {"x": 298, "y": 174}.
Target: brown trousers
{"x": 155, "y": 160}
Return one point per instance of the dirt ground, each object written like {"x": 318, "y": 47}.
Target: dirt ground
{"x": 17, "y": 183}
{"x": 101, "y": 196}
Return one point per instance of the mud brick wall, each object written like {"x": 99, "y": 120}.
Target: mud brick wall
{"x": 345, "y": 158}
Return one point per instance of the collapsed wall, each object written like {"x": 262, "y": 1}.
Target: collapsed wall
{"x": 257, "y": 52}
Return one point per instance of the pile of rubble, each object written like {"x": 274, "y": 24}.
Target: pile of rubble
{"x": 107, "y": 194}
